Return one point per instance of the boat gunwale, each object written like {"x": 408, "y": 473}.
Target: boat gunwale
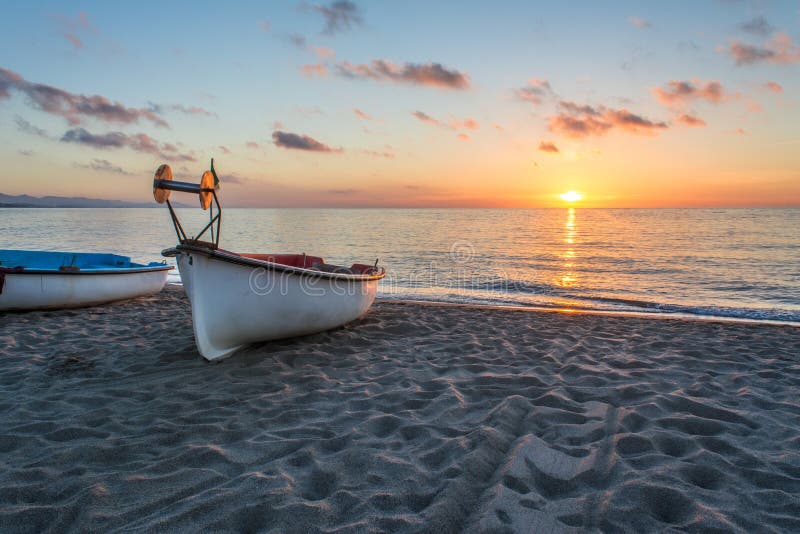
{"x": 251, "y": 262}
{"x": 118, "y": 270}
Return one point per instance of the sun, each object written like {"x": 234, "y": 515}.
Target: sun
{"x": 571, "y": 196}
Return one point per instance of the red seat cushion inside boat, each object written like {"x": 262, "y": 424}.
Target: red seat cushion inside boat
{"x": 293, "y": 260}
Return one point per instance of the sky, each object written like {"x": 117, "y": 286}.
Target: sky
{"x": 406, "y": 104}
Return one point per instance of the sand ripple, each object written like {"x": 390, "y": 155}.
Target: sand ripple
{"x": 418, "y": 418}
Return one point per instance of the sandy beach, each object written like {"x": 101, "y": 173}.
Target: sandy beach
{"x": 415, "y": 418}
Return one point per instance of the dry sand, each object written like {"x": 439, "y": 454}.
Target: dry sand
{"x": 415, "y": 418}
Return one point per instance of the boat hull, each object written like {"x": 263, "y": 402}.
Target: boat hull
{"x": 235, "y": 304}
{"x": 54, "y": 290}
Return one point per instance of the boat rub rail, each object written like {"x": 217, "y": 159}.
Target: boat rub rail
{"x": 318, "y": 269}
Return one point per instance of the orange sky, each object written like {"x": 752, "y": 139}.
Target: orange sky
{"x": 661, "y": 108}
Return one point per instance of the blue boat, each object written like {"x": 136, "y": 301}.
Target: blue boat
{"x": 36, "y": 280}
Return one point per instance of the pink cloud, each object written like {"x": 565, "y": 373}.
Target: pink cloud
{"x": 453, "y": 124}
{"x": 362, "y": 115}
{"x": 639, "y": 22}
{"x": 690, "y": 120}
{"x": 379, "y": 153}
{"x": 779, "y": 50}
{"x": 294, "y": 141}
{"x": 314, "y": 70}
{"x": 428, "y": 74}
{"x": 579, "y": 121}
{"x": 679, "y": 93}
{"x": 74, "y": 40}
{"x": 535, "y": 90}
{"x": 251, "y": 144}
{"x": 547, "y": 146}
{"x": 775, "y": 87}
{"x": 464, "y": 124}
{"x": 192, "y": 110}
{"x": 73, "y": 107}
{"x": 138, "y": 142}
{"x": 322, "y": 52}
{"x": 463, "y": 137}
{"x": 424, "y": 117}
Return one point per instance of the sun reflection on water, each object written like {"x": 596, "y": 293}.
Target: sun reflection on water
{"x": 568, "y": 278}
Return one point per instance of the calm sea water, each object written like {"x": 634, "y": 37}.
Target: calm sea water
{"x": 720, "y": 262}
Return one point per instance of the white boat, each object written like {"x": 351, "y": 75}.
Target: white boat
{"x": 38, "y": 280}
{"x": 240, "y": 299}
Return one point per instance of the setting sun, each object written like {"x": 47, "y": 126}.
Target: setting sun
{"x": 571, "y": 196}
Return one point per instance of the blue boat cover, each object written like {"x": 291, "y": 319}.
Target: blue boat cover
{"x": 41, "y": 260}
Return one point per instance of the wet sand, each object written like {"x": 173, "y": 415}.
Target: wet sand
{"x": 415, "y": 418}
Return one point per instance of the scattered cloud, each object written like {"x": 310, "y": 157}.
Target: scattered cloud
{"x": 103, "y": 165}
{"x": 71, "y": 28}
{"x": 639, "y": 22}
{"x": 322, "y": 53}
{"x": 424, "y": 117}
{"x": 453, "y": 124}
{"x": 107, "y": 140}
{"x": 547, "y": 146}
{"x": 688, "y": 47}
{"x": 252, "y": 144}
{"x": 677, "y": 95}
{"x": 362, "y": 115}
{"x": 579, "y": 121}
{"x": 192, "y": 110}
{"x": 535, "y": 90}
{"x": 297, "y": 40}
{"x": 349, "y": 191}
{"x": 232, "y": 178}
{"x": 757, "y": 26}
{"x": 27, "y": 153}
{"x": 779, "y": 50}
{"x": 28, "y": 128}
{"x": 277, "y": 125}
{"x": 463, "y": 137}
{"x": 79, "y": 23}
{"x": 307, "y": 112}
{"x": 224, "y": 149}
{"x": 137, "y": 142}
{"x": 690, "y": 120}
{"x": 76, "y": 41}
{"x": 73, "y": 107}
{"x": 677, "y": 92}
{"x": 317, "y": 69}
{"x": 341, "y": 15}
{"x": 294, "y": 141}
{"x": 188, "y": 110}
{"x": 775, "y": 87}
{"x": 265, "y": 26}
{"x": 464, "y": 124}
{"x": 427, "y": 74}
{"x": 388, "y": 154}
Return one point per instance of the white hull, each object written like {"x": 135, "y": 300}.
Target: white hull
{"x": 34, "y": 291}
{"x": 235, "y": 305}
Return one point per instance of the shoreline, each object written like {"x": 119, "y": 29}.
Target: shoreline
{"x": 589, "y": 311}
{"x": 676, "y": 316}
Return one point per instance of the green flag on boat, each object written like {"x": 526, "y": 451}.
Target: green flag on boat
{"x": 216, "y": 180}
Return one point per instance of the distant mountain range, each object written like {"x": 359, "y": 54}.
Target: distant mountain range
{"x": 27, "y": 201}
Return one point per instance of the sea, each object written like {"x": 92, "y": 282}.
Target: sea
{"x": 726, "y": 263}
